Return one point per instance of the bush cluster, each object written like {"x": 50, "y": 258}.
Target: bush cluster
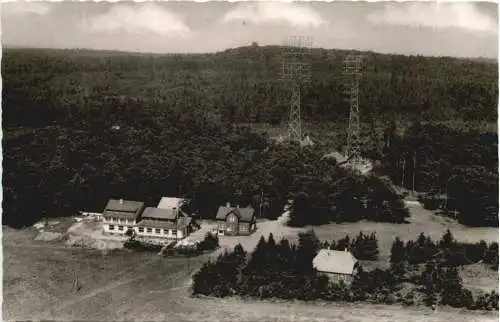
{"x": 363, "y": 247}
{"x": 450, "y": 251}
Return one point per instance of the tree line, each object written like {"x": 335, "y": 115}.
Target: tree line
{"x": 284, "y": 270}
{"x": 66, "y": 168}
{"x": 424, "y": 249}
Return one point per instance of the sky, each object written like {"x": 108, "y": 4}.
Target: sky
{"x": 459, "y": 29}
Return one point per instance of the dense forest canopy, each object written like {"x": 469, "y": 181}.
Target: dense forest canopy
{"x": 82, "y": 126}
{"x": 244, "y": 84}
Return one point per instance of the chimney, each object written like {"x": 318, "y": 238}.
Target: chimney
{"x": 345, "y": 250}
{"x": 121, "y": 201}
{"x": 237, "y": 206}
{"x": 228, "y": 205}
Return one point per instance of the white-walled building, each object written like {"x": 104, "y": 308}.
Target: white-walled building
{"x": 337, "y": 265}
{"x": 163, "y": 223}
{"x": 166, "y": 223}
{"x": 121, "y": 215}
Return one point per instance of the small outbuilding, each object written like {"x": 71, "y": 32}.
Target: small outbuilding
{"x": 235, "y": 220}
{"x": 337, "y": 265}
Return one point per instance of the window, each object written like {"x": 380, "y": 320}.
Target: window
{"x": 111, "y": 227}
{"x": 158, "y": 231}
{"x": 165, "y": 231}
{"x": 172, "y": 232}
{"x": 120, "y": 227}
{"x": 141, "y": 229}
{"x": 149, "y": 230}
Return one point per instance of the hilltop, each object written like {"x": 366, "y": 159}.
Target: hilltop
{"x": 243, "y": 85}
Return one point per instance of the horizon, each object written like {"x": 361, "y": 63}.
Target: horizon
{"x": 15, "y": 47}
{"x": 409, "y": 28}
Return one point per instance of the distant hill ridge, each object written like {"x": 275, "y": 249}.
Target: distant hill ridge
{"x": 243, "y": 84}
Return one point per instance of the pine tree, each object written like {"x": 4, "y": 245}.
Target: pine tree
{"x": 421, "y": 240}
{"x": 343, "y": 243}
{"x": 397, "y": 251}
{"x": 254, "y": 274}
{"x": 373, "y": 247}
{"x": 452, "y": 288}
{"x": 491, "y": 255}
{"x": 307, "y": 249}
{"x": 447, "y": 241}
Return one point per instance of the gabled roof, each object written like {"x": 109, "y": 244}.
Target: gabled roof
{"x": 123, "y": 208}
{"x": 170, "y": 202}
{"x": 158, "y": 213}
{"x": 244, "y": 214}
{"x": 334, "y": 261}
{"x": 148, "y": 223}
{"x": 181, "y": 223}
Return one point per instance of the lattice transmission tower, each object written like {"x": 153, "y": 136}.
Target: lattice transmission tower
{"x": 352, "y": 69}
{"x": 297, "y": 73}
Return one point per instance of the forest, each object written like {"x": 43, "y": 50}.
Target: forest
{"x": 81, "y": 127}
{"x": 439, "y": 161}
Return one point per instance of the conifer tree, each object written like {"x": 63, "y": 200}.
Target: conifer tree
{"x": 447, "y": 241}
{"x": 397, "y": 251}
{"x": 307, "y": 249}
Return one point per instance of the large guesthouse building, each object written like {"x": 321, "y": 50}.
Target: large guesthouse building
{"x": 121, "y": 215}
{"x": 166, "y": 222}
{"x": 235, "y": 220}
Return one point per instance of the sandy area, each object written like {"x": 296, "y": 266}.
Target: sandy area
{"x": 88, "y": 233}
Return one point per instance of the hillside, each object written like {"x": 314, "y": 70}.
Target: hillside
{"x": 243, "y": 84}
{"x": 174, "y": 112}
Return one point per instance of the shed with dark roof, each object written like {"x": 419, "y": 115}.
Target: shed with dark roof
{"x": 235, "y": 220}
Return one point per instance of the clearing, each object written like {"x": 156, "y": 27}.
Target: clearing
{"x": 123, "y": 285}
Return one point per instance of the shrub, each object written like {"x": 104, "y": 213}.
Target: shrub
{"x": 491, "y": 255}
{"x": 487, "y": 301}
{"x": 365, "y": 247}
{"x": 210, "y": 242}
{"x": 397, "y": 251}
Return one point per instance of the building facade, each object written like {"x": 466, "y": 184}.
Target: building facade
{"x": 337, "y": 265}
{"x": 165, "y": 224}
{"x": 235, "y": 220}
{"x": 121, "y": 215}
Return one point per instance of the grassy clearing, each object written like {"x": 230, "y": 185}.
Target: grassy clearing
{"x": 142, "y": 286}
{"x": 421, "y": 220}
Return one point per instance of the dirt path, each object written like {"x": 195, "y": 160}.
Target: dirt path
{"x": 277, "y": 227}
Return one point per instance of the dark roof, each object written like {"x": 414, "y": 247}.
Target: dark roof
{"x": 244, "y": 214}
{"x": 181, "y": 223}
{"x": 158, "y": 213}
{"x": 125, "y": 208}
{"x": 156, "y": 224}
